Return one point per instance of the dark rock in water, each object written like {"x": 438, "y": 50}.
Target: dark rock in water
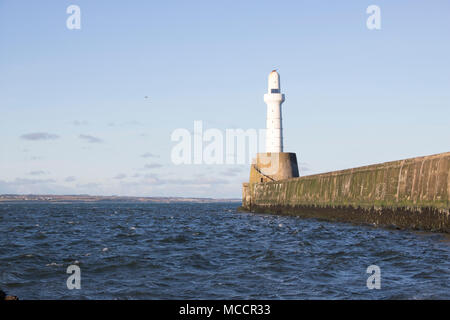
{"x": 4, "y": 296}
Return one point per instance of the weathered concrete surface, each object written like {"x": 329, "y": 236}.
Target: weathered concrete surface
{"x": 273, "y": 166}
{"x": 412, "y": 193}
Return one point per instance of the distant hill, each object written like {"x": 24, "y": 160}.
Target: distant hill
{"x": 87, "y": 198}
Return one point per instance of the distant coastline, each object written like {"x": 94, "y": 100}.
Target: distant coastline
{"x": 7, "y": 198}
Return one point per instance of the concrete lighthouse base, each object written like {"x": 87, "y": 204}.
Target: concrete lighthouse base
{"x": 269, "y": 167}
{"x": 273, "y": 166}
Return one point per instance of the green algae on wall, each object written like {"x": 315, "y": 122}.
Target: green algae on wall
{"x": 406, "y": 187}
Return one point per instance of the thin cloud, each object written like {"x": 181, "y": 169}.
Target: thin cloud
{"x": 36, "y": 136}
{"x": 37, "y": 173}
{"x": 133, "y": 123}
{"x": 149, "y": 155}
{"x": 80, "y": 123}
{"x": 126, "y": 123}
{"x": 152, "y": 166}
{"x": 70, "y": 179}
{"x": 197, "y": 181}
{"x": 33, "y": 181}
{"x": 90, "y": 139}
{"x": 232, "y": 172}
{"x": 303, "y": 167}
{"x": 120, "y": 176}
{"x": 33, "y": 186}
{"x": 153, "y": 179}
{"x": 89, "y": 185}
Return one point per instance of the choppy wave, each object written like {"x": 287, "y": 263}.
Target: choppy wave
{"x": 201, "y": 251}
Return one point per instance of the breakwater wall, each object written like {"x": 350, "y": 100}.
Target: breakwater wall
{"x": 412, "y": 193}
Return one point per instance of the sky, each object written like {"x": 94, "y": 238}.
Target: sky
{"x": 92, "y": 110}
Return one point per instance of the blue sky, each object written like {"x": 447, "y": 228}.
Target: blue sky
{"x": 74, "y": 117}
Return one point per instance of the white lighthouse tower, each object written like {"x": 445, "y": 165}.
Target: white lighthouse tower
{"x": 274, "y": 98}
{"x": 274, "y": 164}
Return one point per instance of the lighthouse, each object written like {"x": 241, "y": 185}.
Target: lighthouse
{"x": 274, "y": 99}
{"x": 274, "y": 164}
